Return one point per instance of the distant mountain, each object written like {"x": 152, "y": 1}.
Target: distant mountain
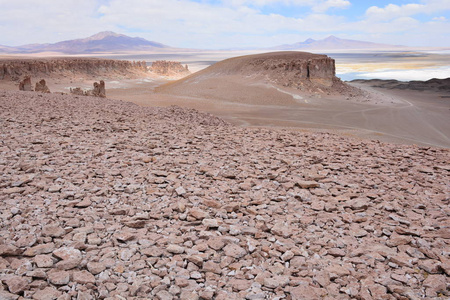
{"x": 333, "y": 43}
{"x": 6, "y": 49}
{"x": 106, "y": 41}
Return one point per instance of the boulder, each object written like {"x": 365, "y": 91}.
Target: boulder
{"x": 25, "y": 84}
{"x": 42, "y": 87}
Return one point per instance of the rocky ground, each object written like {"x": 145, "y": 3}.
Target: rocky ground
{"x": 103, "y": 199}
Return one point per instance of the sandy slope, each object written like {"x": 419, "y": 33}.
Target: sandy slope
{"x": 394, "y": 116}
{"x": 226, "y": 90}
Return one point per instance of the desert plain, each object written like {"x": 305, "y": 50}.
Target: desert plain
{"x": 255, "y": 185}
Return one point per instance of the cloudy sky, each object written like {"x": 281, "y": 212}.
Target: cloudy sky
{"x": 218, "y": 24}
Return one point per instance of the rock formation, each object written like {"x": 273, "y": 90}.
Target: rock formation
{"x": 77, "y": 91}
{"x": 42, "y": 87}
{"x": 14, "y": 69}
{"x": 294, "y": 69}
{"x": 25, "y": 84}
{"x": 169, "y": 68}
{"x": 237, "y": 79}
{"x": 98, "y": 90}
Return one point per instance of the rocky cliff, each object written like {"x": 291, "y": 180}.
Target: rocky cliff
{"x": 169, "y": 68}
{"x": 259, "y": 78}
{"x": 289, "y": 68}
{"x": 18, "y": 68}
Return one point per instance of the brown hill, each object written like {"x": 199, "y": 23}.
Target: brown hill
{"x": 435, "y": 84}
{"x": 278, "y": 78}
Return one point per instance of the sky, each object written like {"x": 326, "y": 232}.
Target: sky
{"x": 222, "y": 24}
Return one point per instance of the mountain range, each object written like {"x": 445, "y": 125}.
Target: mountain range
{"x": 108, "y": 41}
{"x": 333, "y": 43}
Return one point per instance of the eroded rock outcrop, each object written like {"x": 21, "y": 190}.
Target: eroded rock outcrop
{"x": 42, "y": 87}
{"x": 252, "y": 78}
{"x": 294, "y": 69}
{"x": 169, "y": 68}
{"x": 25, "y": 84}
{"x": 15, "y": 69}
{"x": 98, "y": 91}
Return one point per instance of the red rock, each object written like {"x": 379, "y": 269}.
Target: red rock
{"x": 213, "y": 267}
{"x": 198, "y": 214}
{"x": 336, "y": 252}
{"x": 307, "y": 184}
{"x": 59, "y": 277}
{"x": 336, "y": 271}
{"x": 17, "y": 284}
{"x": 234, "y": 251}
{"x": 239, "y": 284}
{"x": 175, "y": 249}
{"x": 216, "y": 243}
{"x": 49, "y": 293}
{"x": 96, "y": 267}
{"x": 53, "y": 231}
{"x": 40, "y": 249}
{"x": 43, "y": 261}
{"x": 430, "y": 266}
{"x": 83, "y": 277}
{"x": 67, "y": 253}
{"x": 9, "y": 250}
{"x": 436, "y": 284}
{"x": 7, "y": 296}
{"x": 276, "y": 281}
{"x": 303, "y": 292}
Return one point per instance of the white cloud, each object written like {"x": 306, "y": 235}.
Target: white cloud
{"x": 219, "y": 24}
{"x": 211, "y": 26}
{"x": 442, "y": 18}
{"x": 324, "y": 6}
{"x": 261, "y": 3}
{"x": 392, "y": 11}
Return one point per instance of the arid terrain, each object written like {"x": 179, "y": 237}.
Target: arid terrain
{"x": 267, "y": 97}
{"x": 103, "y": 199}
{"x": 288, "y": 190}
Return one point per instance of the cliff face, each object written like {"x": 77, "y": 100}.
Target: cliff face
{"x": 261, "y": 79}
{"x": 169, "y": 68}
{"x": 295, "y": 71}
{"x": 16, "y": 69}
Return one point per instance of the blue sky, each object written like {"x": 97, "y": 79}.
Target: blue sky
{"x": 217, "y": 24}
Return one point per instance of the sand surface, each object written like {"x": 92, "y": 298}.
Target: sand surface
{"x": 399, "y": 116}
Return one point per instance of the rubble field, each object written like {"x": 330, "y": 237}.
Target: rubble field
{"x": 104, "y": 199}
